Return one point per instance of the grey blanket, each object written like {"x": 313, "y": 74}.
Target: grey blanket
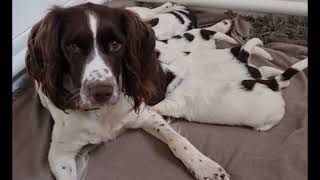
{"x": 279, "y": 154}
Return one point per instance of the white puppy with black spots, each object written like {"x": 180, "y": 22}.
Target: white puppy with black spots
{"x": 167, "y": 25}
{"x": 219, "y": 86}
{"x": 185, "y": 43}
{"x": 147, "y": 14}
{"x": 167, "y": 20}
{"x": 199, "y": 38}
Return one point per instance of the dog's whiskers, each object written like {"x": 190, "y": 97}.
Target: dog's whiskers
{"x": 75, "y": 90}
{"x": 72, "y": 93}
{"x": 72, "y": 97}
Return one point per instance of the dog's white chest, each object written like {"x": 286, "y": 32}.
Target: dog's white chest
{"x": 93, "y": 127}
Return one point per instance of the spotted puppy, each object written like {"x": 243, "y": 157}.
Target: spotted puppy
{"x": 184, "y": 44}
{"x": 178, "y": 21}
{"x": 147, "y": 14}
{"x": 199, "y": 38}
{"x": 219, "y": 86}
{"x": 167, "y": 20}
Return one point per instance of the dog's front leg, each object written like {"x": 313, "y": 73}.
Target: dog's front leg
{"x": 202, "y": 167}
{"x": 62, "y": 160}
{"x": 65, "y": 146}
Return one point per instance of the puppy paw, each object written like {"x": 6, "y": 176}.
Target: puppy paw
{"x": 251, "y": 44}
{"x": 177, "y": 7}
{"x": 168, "y": 4}
{"x": 255, "y": 42}
{"x": 261, "y": 52}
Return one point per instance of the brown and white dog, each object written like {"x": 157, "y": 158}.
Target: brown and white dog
{"x": 96, "y": 72}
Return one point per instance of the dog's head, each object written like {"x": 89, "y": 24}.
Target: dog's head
{"x": 85, "y": 56}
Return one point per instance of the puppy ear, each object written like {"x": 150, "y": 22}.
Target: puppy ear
{"x": 44, "y": 58}
{"x": 140, "y": 68}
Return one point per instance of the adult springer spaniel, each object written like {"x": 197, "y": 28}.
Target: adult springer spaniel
{"x": 97, "y": 72}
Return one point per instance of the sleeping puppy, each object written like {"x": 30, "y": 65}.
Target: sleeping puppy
{"x": 178, "y": 21}
{"x": 183, "y": 44}
{"x": 147, "y": 14}
{"x": 96, "y": 71}
{"x": 199, "y": 38}
{"x": 219, "y": 86}
{"x": 167, "y": 20}
{"x": 203, "y": 36}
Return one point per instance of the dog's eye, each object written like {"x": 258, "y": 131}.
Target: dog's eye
{"x": 73, "y": 48}
{"x": 114, "y": 46}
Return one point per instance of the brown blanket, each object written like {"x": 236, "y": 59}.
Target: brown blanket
{"x": 279, "y": 154}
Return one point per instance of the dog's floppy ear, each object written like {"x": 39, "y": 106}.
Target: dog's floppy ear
{"x": 44, "y": 57}
{"x": 140, "y": 68}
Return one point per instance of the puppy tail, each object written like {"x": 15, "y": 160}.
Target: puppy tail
{"x": 283, "y": 78}
{"x": 280, "y": 81}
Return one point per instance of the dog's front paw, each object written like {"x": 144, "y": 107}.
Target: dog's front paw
{"x": 207, "y": 169}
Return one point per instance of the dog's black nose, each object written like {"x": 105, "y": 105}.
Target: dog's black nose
{"x": 101, "y": 92}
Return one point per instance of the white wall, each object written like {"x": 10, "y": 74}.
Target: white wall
{"x": 25, "y": 13}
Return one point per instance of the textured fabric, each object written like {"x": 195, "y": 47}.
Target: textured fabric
{"x": 241, "y": 30}
{"x": 279, "y": 154}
